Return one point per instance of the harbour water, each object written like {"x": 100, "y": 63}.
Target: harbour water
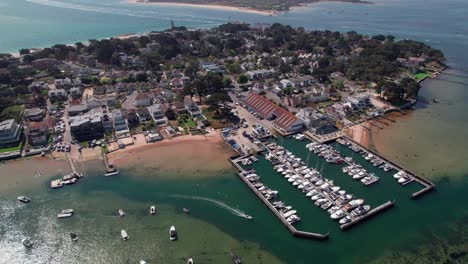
{"x": 431, "y": 141}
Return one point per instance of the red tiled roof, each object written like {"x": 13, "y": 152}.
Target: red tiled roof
{"x": 266, "y": 108}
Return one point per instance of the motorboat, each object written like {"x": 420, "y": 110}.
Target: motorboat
{"x": 67, "y": 211}
{"x": 235, "y": 259}
{"x": 186, "y": 211}
{"x": 327, "y": 205}
{"x": 74, "y": 237}
{"x": 121, "y": 213}
{"x": 293, "y": 219}
{"x": 312, "y": 193}
{"x": 27, "y": 243}
{"x": 316, "y": 197}
{"x": 404, "y": 179}
{"x": 289, "y": 213}
{"x": 399, "y": 174}
{"x": 345, "y": 220}
{"x": 190, "y": 261}
{"x": 152, "y": 210}
{"x": 23, "y": 199}
{"x": 333, "y": 209}
{"x": 353, "y": 204}
{"x": 124, "y": 235}
{"x": 66, "y": 215}
{"x": 172, "y": 233}
{"x": 143, "y": 262}
{"x": 113, "y": 173}
{"x": 338, "y": 215}
{"x": 285, "y": 209}
{"x": 360, "y": 211}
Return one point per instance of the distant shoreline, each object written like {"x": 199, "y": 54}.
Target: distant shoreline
{"x": 218, "y": 6}
{"x": 208, "y": 6}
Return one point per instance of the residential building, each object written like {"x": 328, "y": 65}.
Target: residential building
{"x": 87, "y": 126}
{"x": 37, "y": 136}
{"x": 192, "y": 108}
{"x": 10, "y": 133}
{"x": 317, "y": 122}
{"x": 78, "y": 109}
{"x": 157, "y": 114}
{"x": 33, "y": 114}
{"x": 359, "y": 101}
{"x": 57, "y": 94}
{"x": 143, "y": 114}
{"x": 143, "y": 99}
{"x": 132, "y": 118}
{"x": 282, "y": 119}
{"x": 120, "y": 124}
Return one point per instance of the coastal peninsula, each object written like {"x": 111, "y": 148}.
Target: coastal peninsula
{"x": 267, "y": 7}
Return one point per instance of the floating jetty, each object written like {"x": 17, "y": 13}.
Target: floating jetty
{"x": 428, "y": 185}
{"x": 370, "y": 214}
{"x": 234, "y": 161}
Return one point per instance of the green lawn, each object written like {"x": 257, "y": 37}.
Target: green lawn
{"x": 420, "y": 76}
{"x": 10, "y": 149}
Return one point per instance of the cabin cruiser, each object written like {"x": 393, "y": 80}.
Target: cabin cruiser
{"x": 190, "y": 261}
{"x": 321, "y": 202}
{"x": 27, "y": 243}
{"x": 327, "y": 205}
{"x": 143, "y": 262}
{"x": 293, "y": 219}
{"x": 353, "y": 204}
{"x": 399, "y": 174}
{"x": 152, "y": 210}
{"x": 74, "y": 237}
{"x": 404, "y": 179}
{"x": 316, "y": 197}
{"x": 360, "y": 211}
{"x": 345, "y": 220}
{"x": 172, "y": 233}
{"x": 124, "y": 235}
{"x": 338, "y": 215}
{"x": 366, "y": 179}
{"x": 285, "y": 209}
{"x": 289, "y": 213}
{"x": 23, "y": 199}
{"x": 67, "y": 211}
{"x": 121, "y": 213}
{"x": 359, "y": 175}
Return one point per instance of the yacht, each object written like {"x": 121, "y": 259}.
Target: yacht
{"x": 23, "y": 199}
{"x": 121, "y": 213}
{"x": 353, "y": 204}
{"x": 285, "y": 209}
{"x": 74, "y": 237}
{"x": 27, "y": 243}
{"x": 404, "y": 179}
{"x": 172, "y": 233}
{"x": 289, "y": 213}
{"x": 190, "y": 261}
{"x": 143, "y": 262}
{"x": 152, "y": 210}
{"x": 293, "y": 219}
{"x": 345, "y": 220}
{"x": 124, "y": 235}
{"x": 399, "y": 174}
{"x": 338, "y": 214}
{"x": 316, "y": 197}
{"x": 311, "y": 193}
{"x": 360, "y": 211}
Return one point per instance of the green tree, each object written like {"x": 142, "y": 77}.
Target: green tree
{"x": 242, "y": 79}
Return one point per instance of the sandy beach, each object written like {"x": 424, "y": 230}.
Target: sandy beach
{"x": 187, "y": 156}
{"x": 215, "y": 7}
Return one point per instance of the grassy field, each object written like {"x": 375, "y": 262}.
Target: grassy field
{"x": 420, "y": 76}
{"x": 4, "y": 150}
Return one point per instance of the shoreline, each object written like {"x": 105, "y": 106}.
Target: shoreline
{"x": 208, "y": 6}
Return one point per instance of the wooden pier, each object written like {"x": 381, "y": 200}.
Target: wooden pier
{"x": 288, "y": 226}
{"x": 72, "y": 164}
{"x": 369, "y": 215}
{"x": 428, "y": 185}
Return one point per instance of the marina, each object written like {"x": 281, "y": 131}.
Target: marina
{"x": 352, "y": 159}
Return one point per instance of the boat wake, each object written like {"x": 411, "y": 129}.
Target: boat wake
{"x": 221, "y": 204}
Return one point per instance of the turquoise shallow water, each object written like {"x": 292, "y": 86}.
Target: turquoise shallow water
{"x": 432, "y": 137}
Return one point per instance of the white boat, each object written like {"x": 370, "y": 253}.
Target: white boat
{"x": 404, "y": 179}
{"x": 121, "y": 212}
{"x": 64, "y": 215}
{"x": 143, "y": 262}
{"x": 316, "y": 197}
{"x": 56, "y": 184}
{"x": 23, "y": 199}
{"x": 360, "y": 211}
{"x": 172, "y": 233}
{"x": 112, "y": 173}
{"x": 289, "y": 213}
{"x": 311, "y": 193}
{"x": 67, "y": 211}
{"x": 153, "y": 210}
{"x": 124, "y": 235}
{"x": 293, "y": 219}
{"x": 399, "y": 174}
{"x": 190, "y": 261}
{"x": 345, "y": 220}
{"x": 338, "y": 214}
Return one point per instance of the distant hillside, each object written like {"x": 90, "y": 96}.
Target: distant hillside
{"x": 264, "y": 5}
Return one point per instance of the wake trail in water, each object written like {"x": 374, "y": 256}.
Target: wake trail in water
{"x": 221, "y": 204}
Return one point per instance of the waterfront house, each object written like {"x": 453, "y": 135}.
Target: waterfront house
{"x": 87, "y": 126}
{"x": 78, "y": 109}
{"x": 37, "y": 135}
{"x": 132, "y": 118}
{"x": 44, "y": 64}
{"x": 10, "y": 133}
{"x": 192, "y": 107}
{"x": 157, "y": 114}
{"x": 143, "y": 114}
{"x": 317, "y": 122}
{"x": 93, "y": 103}
{"x": 120, "y": 124}
{"x": 179, "y": 107}
{"x": 359, "y": 101}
